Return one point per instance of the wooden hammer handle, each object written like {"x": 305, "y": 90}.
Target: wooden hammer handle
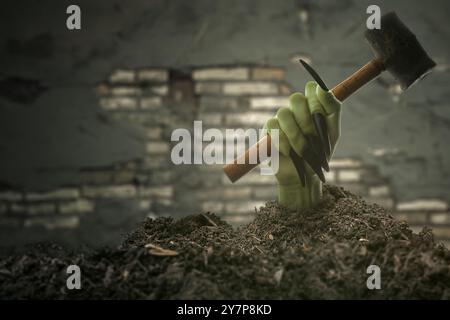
{"x": 241, "y": 166}
{"x": 365, "y": 74}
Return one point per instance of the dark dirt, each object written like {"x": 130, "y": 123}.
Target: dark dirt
{"x": 319, "y": 254}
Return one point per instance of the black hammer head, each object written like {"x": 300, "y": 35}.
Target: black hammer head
{"x": 398, "y": 48}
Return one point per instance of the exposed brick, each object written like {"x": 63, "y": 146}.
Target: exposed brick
{"x": 159, "y": 119}
{"x": 219, "y": 103}
{"x": 77, "y": 206}
{"x": 330, "y": 176}
{"x": 129, "y": 165}
{"x": 412, "y": 218}
{"x": 150, "y": 103}
{"x": 208, "y": 88}
{"x": 441, "y": 232}
{"x": 249, "y": 119}
{"x": 141, "y": 178}
{"x": 123, "y": 176}
{"x": 265, "y": 193}
{"x": 423, "y": 205}
{"x": 38, "y": 208}
{"x": 250, "y": 88}
{"x": 154, "y": 162}
{"x": 440, "y": 218}
{"x": 211, "y": 169}
{"x": 17, "y": 207}
{"x": 160, "y": 192}
{"x": 52, "y": 223}
{"x": 252, "y": 178}
{"x": 66, "y": 193}
{"x": 210, "y": 119}
{"x": 10, "y": 196}
{"x": 153, "y": 133}
{"x": 348, "y": 175}
{"x": 387, "y": 203}
{"x": 122, "y": 76}
{"x": 371, "y": 176}
{"x": 285, "y": 89}
{"x": 118, "y": 191}
{"x": 243, "y": 207}
{"x": 237, "y": 193}
{"x": 212, "y": 181}
{"x": 359, "y": 189}
{"x": 41, "y": 208}
{"x": 96, "y": 177}
{"x": 264, "y": 73}
{"x": 270, "y": 103}
{"x": 210, "y": 194}
{"x": 124, "y": 103}
{"x": 157, "y": 147}
{"x": 159, "y": 90}
{"x": 126, "y": 91}
{"x": 345, "y": 163}
{"x": 153, "y": 75}
{"x": 212, "y": 206}
{"x": 143, "y": 118}
{"x": 161, "y": 176}
{"x": 221, "y": 74}
{"x": 379, "y": 191}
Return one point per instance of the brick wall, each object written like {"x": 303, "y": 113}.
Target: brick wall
{"x": 238, "y": 97}
{"x": 155, "y": 101}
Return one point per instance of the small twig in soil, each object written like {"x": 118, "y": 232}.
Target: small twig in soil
{"x": 209, "y": 220}
{"x": 196, "y": 244}
{"x": 159, "y": 251}
{"x": 259, "y": 249}
{"x": 256, "y": 238}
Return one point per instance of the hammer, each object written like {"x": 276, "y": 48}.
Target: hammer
{"x": 396, "y": 49}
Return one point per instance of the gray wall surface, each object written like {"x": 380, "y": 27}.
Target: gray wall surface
{"x": 51, "y": 125}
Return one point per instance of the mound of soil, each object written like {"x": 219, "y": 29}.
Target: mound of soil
{"x": 318, "y": 254}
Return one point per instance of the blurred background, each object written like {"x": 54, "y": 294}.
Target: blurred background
{"x": 86, "y": 115}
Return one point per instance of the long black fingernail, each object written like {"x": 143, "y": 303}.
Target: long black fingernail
{"x": 316, "y": 145}
{"x": 321, "y": 127}
{"x": 299, "y": 165}
{"x": 314, "y": 74}
{"x": 313, "y": 161}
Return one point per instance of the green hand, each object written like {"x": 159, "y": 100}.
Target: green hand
{"x": 295, "y": 125}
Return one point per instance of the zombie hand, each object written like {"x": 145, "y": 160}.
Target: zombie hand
{"x": 306, "y": 144}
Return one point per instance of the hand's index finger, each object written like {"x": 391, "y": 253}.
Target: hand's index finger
{"x": 328, "y": 101}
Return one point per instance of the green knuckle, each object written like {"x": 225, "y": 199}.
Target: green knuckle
{"x": 334, "y": 128}
{"x": 297, "y": 99}
{"x": 283, "y": 142}
{"x": 328, "y": 101}
{"x": 291, "y": 129}
{"x": 283, "y": 113}
{"x": 313, "y": 102}
{"x": 271, "y": 124}
{"x": 299, "y": 106}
